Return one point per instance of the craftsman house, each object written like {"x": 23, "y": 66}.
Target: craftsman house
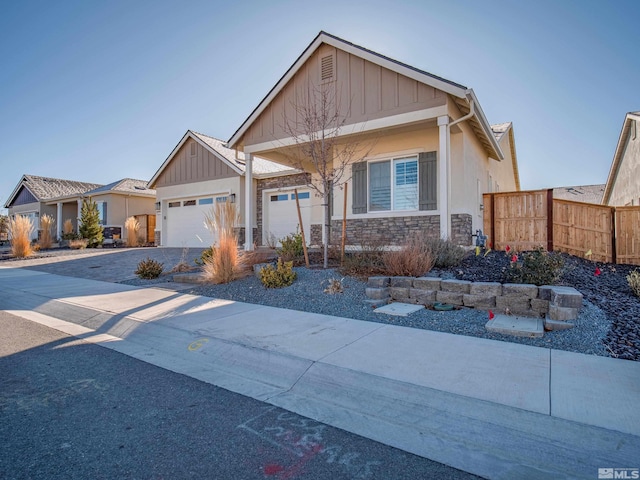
{"x": 430, "y": 151}
{"x": 623, "y": 183}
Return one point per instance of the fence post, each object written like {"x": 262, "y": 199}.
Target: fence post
{"x": 493, "y": 220}
{"x": 614, "y": 237}
{"x": 550, "y": 220}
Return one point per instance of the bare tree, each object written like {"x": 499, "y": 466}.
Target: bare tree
{"x": 318, "y": 127}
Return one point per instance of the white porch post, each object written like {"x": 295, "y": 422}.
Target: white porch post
{"x": 59, "y": 221}
{"x": 444, "y": 187}
{"x": 78, "y": 217}
{"x": 248, "y": 202}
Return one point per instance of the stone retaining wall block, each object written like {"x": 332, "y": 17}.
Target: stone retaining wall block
{"x": 456, "y": 286}
{"x": 519, "y": 290}
{"x": 514, "y": 305}
{"x": 377, "y": 293}
{"x": 378, "y": 282}
{"x": 562, "y": 314}
{"x": 399, "y": 293}
{"x": 481, "y": 302}
{"x": 402, "y": 282}
{"x": 422, "y": 297}
{"x": 427, "y": 283}
{"x": 452, "y": 298}
{"x": 486, "y": 289}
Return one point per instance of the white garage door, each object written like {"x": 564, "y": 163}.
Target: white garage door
{"x": 186, "y": 225}
{"x": 282, "y": 215}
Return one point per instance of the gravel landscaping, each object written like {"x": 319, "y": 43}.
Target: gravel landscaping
{"x": 608, "y": 324}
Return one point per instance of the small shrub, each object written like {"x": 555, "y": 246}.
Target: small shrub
{"x": 20, "y": 229}
{"x": 205, "y": 256}
{"x": 537, "y": 267}
{"x": 414, "y": 259}
{"x": 446, "y": 253}
{"x": 132, "y": 227}
{"x": 282, "y": 275}
{"x": 291, "y": 247}
{"x": 182, "y": 265}
{"x": 78, "y": 244}
{"x": 46, "y": 222}
{"x": 634, "y": 282}
{"x": 335, "y": 286}
{"x": 149, "y": 268}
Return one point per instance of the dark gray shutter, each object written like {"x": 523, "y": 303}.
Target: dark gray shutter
{"x": 428, "y": 183}
{"x": 104, "y": 214}
{"x": 359, "y": 187}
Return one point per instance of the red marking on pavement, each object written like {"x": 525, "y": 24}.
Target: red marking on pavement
{"x": 272, "y": 469}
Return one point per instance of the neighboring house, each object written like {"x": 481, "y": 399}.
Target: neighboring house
{"x": 623, "y": 183}
{"x": 432, "y": 156}
{"x": 580, "y": 193}
{"x": 120, "y": 200}
{"x": 35, "y": 196}
{"x": 200, "y": 172}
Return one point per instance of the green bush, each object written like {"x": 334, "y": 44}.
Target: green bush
{"x": 634, "y": 282}
{"x": 537, "y": 267}
{"x": 446, "y": 253}
{"x": 291, "y": 247}
{"x": 149, "y": 268}
{"x": 90, "y": 227}
{"x": 282, "y": 275}
{"x": 205, "y": 257}
{"x": 367, "y": 261}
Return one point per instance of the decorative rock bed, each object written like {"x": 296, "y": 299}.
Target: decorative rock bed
{"x": 558, "y": 305}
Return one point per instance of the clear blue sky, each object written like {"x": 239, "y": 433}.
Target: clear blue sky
{"x": 101, "y": 90}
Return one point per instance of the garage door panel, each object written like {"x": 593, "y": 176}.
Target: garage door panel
{"x": 186, "y": 225}
{"x": 282, "y": 214}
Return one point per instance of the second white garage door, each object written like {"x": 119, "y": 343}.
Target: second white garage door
{"x": 186, "y": 225}
{"x": 282, "y": 216}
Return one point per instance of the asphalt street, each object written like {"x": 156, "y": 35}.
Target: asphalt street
{"x": 73, "y": 410}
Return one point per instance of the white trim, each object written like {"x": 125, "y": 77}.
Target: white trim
{"x": 388, "y": 214}
{"x": 196, "y": 196}
{"x": 361, "y": 127}
{"x": 392, "y": 179}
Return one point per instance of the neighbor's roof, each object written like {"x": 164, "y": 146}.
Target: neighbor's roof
{"x": 126, "y": 185}
{"x": 47, "y": 188}
{"x": 462, "y": 95}
{"x": 499, "y": 130}
{"x": 619, "y": 153}
{"x": 580, "y": 193}
{"x": 261, "y": 166}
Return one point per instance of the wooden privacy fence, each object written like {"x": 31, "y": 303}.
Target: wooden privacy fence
{"x": 527, "y": 220}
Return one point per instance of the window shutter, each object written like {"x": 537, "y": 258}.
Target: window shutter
{"x": 104, "y": 213}
{"x": 359, "y": 188}
{"x": 428, "y": 187}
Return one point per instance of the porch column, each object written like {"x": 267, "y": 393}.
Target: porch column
{"x": 78, "y": 217}
{"x": 59, "y": 221}
{"x": 248, "y": 202}
{"x": 444, "y": 184}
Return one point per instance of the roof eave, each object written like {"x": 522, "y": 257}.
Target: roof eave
{"x": 16, "y": 190}
{"x": 484, "y": 123}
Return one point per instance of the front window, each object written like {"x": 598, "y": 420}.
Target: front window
{"x": 393, "y": 184}
{"x": 102, "y": 212}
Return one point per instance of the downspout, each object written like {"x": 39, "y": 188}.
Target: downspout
{"x": 464, "y": 118}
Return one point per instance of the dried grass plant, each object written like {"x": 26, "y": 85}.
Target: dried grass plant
{"x": 20, "y": 230}
{"x": 46, "y": 224}
{"x": 414, "y": 259}
{"x": 68, "y": 232}
{"x": 182, "y": 265}
{"x": 78, "y": 243}
{"x": 224, "y": 265}
{"x": 132, "y": 227}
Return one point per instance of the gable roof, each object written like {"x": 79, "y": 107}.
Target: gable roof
{"x": 261, "y": 166}
{"x": 580, "y": 193}
{"x": 619, "y": 153}
{"x": 47, "y": 188}
{"x": 463, "y": 96}
{"x": 126, "y": 185}
{"x": 499, "y": 131}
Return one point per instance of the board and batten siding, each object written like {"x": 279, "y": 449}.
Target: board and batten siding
{"x": 363, "y": 90}
{"x": 193, "y": 163}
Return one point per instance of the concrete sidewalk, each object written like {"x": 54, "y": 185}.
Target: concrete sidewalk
{"x": 496, "y": 409}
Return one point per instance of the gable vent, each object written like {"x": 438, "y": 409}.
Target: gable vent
{"x": 326, "y": 68}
